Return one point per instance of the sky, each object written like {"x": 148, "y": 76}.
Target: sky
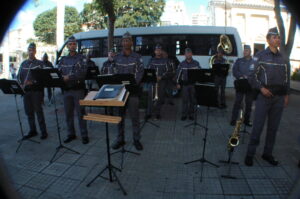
{"x": 31, "y": 10}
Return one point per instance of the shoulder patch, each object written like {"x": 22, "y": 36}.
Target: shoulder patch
{"x": 255, "y": 58}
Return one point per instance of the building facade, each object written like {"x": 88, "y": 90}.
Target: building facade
{"x": 253, "y": 19}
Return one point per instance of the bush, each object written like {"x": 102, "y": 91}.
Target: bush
{"x": 296, "y": 75}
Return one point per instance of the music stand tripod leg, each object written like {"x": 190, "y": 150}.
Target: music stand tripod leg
{"x": 60, "y": 146}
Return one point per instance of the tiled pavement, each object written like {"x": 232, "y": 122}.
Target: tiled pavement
{"x": 159, "y": 172}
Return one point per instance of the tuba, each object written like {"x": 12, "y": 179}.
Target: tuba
{"x": 235, "y": 136}
{"x": 225, "y": 45}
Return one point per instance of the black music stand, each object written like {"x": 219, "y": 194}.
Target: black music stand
{"x": 52, "y": 78}
{"x": 198, "y": 76}
{"x": 206, "y": 96}
{"x": 92, "y": 73}
{"x": 150, "y": 78}
{"x": 130, "y": 84}
{"x": 13, "y": 87}
{"x": 220, "y": 69}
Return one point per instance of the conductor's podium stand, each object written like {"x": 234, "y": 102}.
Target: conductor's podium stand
{"x": 119, "y": 101}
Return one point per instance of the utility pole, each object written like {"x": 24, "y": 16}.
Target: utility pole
{"x": 60, "y": 23}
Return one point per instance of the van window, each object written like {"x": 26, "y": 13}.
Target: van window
{"x": 203, "y": 45}
{"x": 91, "y": 47}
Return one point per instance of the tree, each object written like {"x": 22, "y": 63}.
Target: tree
{"x": 107, "y": 6}
{"x": 285, "y": 46}
{"x": 45, "y": 24}
{"x": 134, "y": 13}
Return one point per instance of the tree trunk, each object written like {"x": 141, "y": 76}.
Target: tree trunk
{"x": 111, "y": 27}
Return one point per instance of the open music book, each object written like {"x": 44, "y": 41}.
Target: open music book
{"x": 111, "y": 92}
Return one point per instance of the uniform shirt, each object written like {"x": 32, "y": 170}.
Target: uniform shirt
{"x": 25, "y": 74}
{"x": 107, "y": 67}
{"x": 131, "y": 64}
{"x": 182, "y": 73}
{"x": 220, "y": 61}
{"x": 75, "y": 67}
{"x": 90, "y": 63}
{"x": 270, "y": 70}
{"x": 161, "y": 66}
{"x": 243, "y": 67}
{"x": 48, "y": 64}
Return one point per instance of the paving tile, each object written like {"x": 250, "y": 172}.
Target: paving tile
{"x": 207, "y": 186}
{"x": 253, "y": 172}
{"x": 261, "y": 186}
{"x": 77, "y": 172}
{"x": 275, "y": 172}
{"x": 56, "y": 169}
{"x": 282, "y": 186}
{"x": 64, "y": 186}
{"x": 266, "y": 197}
{"x": 203, "y": 196}
{"x": 235, "y": 187}
{"x": 29, "y": 193}
{"x": 41, "y": 181}
{"x": 23, "y": 176}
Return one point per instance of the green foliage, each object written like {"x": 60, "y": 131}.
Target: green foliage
{"x": 45, "y": 24}
{"x": 296, "y": 75}
{"x": 133, "y": 13}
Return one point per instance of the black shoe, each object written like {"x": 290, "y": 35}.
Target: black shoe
{"x": 191, "y": 118}
{"x": 138, "y": 145}
{"x": 299, "y": 164}
{"x": 117, "y": 144}
{"x": 85, "y": 140}
{"x": 158, "y": 117}
{"x": 44, "y": 136}
{"x": 270, "y": 159}
{"x": 232, "y": 123}
{"x": 148, "y": 117}
{"x": 183, "y": 118}
{"x": 248, "y": 123}
{"x": 249, "y": 161}
{"x": 30, "y": 134}
{"x": 69, "y": 139}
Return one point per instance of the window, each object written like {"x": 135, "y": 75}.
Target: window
{"x": 203, "y": 45}
{"x": 91, "y": 47}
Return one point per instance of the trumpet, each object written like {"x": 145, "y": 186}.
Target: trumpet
{"x": 235, "y": 136}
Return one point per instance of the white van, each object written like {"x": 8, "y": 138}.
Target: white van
{"x": 203, "y": 40}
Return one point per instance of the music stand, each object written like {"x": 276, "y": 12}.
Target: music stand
{"x": 206, "y": 96}
{"x": 92, "y": 73}
{"x": 149, "y": 77}
{"x": 220, "y": 69}
{"x": 198, "y": 76}
{"x": 89, "y": 101}
{"x": 130, "y": 84}
{"x": 13, "y": 87}
{"x": 52, "y": 78}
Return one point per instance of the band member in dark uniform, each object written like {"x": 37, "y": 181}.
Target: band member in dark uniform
{"x": 271, "y": 79}
{"x": 73, "y": 68}
{"x": 34, "y": 93}
{"x": 162, "y": 68}
{"x": 108, "y": 64}
{"x": 129, "y": 62}
{"x": 188, "y": 90}
{"x": 48, "y": 64}
{"x": 90, "y": 64}
{"x": 242, "y": 68}
{"x": 220, "y": 80}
